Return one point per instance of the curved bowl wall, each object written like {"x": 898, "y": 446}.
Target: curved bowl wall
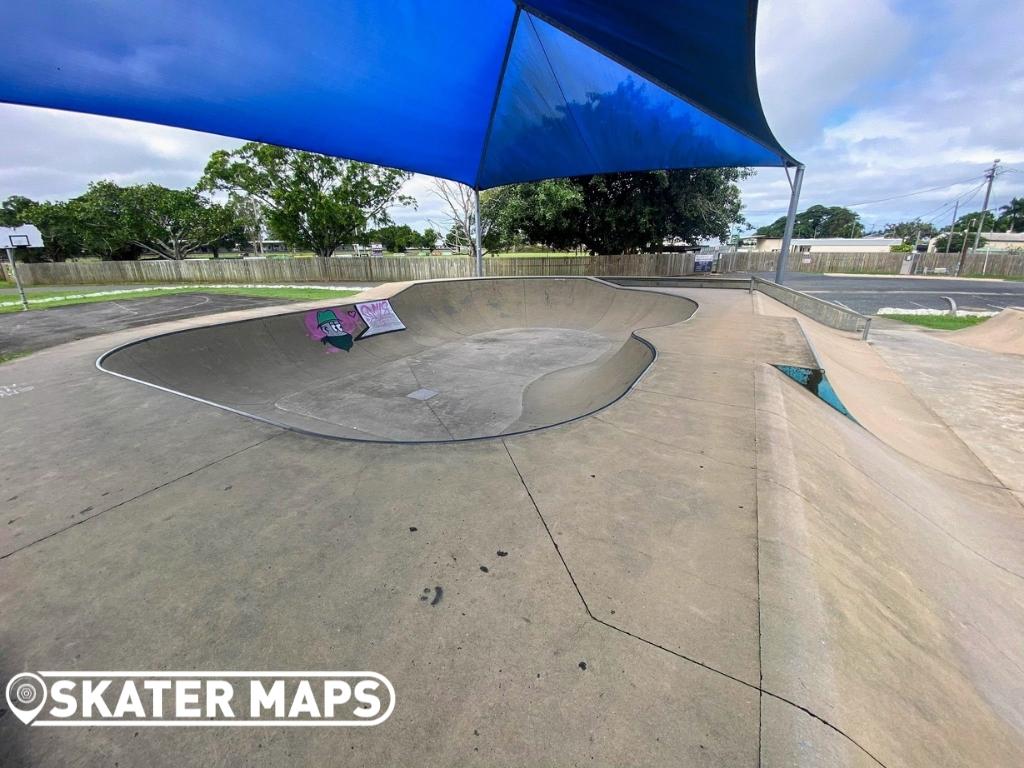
{"x": 477, "y": 358}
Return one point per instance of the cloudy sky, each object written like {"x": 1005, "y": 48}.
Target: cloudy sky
{"x": 879, "y": 98}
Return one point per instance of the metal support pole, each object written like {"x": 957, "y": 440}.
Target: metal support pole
{"x": 479, "y": 236}
{"x": 787, "y": 235}
{"x": 17, "y": 279}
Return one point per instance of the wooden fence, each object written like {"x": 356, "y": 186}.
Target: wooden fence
{"x": 366, "y": 269}
{"x": 854, "y": 263}
{"x": 991, "y": 264}
{"x": 372, "y": 269}
{"x": 984, "y": 264}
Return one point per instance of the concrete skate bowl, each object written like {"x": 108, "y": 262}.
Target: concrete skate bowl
{"x": 477, "y": 358}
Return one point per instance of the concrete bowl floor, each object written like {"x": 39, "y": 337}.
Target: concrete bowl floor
{"x": 477, "y": 359}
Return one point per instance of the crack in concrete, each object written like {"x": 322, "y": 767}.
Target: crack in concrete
{"x": 139, "y": 496}
{"x": 759, "y": 688}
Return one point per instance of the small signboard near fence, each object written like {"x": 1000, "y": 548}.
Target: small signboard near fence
{"x": 703, "y": 262}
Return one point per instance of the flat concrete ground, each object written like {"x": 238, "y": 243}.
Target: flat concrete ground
{"x": 868, "y": 294}
{"x": 717, "y": 570}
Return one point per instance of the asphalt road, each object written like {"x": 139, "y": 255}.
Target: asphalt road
{"x": 870, "y": 293}
{"x": 38, "y": 329}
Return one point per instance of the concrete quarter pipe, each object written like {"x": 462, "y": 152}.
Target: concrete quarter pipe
{"x": 474, "y": 359}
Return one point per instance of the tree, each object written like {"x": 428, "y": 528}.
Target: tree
{"x": 958, "y": 241}
{"x": 819, "y": 221}
{"x": 119, "y": 223}
{"x": 619, "y": 212}
{"x": 172, "y": 223}
{"x": 460, "y": 214}
{"x": 312, "y": 201}
{"x": 547, "y": 212}
{"x": 1011, "y": 218}
{"x": 57, "y": 222}
{"x": 429, "y": 238}
{"x": 250, "y": 218}
{"x": 907, "y": 231}
{"x": 970, "y": 221}
{"x": 396, "y": 239}
{"x": 15, "y": 211}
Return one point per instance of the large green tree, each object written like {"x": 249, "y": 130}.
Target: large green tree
{"x": 59, "y": 224}
{"x": 396, "y": 238}
{"x": 121, "y": 222}
{"x": 619, "y": 212}
{"x": 172, "y": 223}
{"x": 118, "y": 223}
{"x": 908, "y": 230}
{"x": 544, "y": 212}
{"x": 819, "y": 221}
{"x": 102, "y": 224}
{"x": 970, "y": 221}
{"x": 15, "y": 211}
{"x": 311, "y": 201}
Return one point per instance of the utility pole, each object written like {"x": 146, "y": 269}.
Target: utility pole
{"x": 963, "y": 251}
{"x": 990, "y": 174}
{"x": 17, "y": 278}
{"x": 952, "y": 226}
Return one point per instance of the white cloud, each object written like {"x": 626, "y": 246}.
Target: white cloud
{"x": 929, "y": 115}
{"x": 48, "y": 154}
{"x": 816, "y": 55}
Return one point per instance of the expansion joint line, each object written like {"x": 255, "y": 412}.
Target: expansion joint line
{"x": 140, "y": 495}
{"x": 759, "y": 688}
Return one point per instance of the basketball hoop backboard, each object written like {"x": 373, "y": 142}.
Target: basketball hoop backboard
{"x": 25, "y": 236}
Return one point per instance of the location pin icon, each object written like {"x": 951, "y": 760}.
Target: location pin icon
{"x": 26, "y": 695}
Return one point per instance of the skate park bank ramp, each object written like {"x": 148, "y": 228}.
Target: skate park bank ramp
{"x": 435, "y": 361}
{"x": 1003, "y": 333}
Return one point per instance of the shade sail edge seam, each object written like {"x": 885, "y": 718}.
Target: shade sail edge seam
{"x": 778, "y": 151}
{"x": 561, "y": 91}
{"x": 497, "y": 95}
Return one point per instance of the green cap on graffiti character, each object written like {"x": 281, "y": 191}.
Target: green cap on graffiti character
{"x": 325, "y": 316}
{"x": 334, "y": 332}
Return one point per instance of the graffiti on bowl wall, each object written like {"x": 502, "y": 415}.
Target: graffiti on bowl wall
{"x": 338, "y": 328}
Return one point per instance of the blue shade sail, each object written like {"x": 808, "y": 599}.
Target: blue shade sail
{"x": 485, "y": 92}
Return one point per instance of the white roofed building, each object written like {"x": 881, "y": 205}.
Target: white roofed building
{"x": 830, "y": 244}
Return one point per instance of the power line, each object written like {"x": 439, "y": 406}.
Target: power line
{"x": 961, "y": 200}
{"x": 911, "y": 194}
{"x": 887, "y": 199}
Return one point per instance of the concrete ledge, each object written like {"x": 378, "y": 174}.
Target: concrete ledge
{"x": 682, "y": 281}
